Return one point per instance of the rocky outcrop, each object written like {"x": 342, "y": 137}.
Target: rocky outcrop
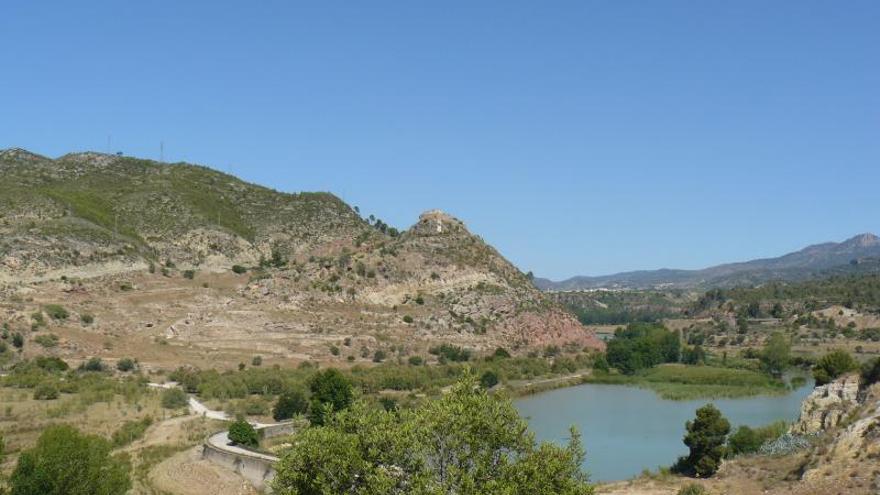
{"x": 827, "y": 405}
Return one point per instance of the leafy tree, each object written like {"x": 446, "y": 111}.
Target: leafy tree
{"x": 331, "y": 392}
{"x": 642, "y": 345}
{"x": 67, "y": 462}
{"x": 466, "y": 442}
{"x": 242, "y": 433}
{"x": 705, "y": 438}
{"x": 833, "y": 365}
{"x": 693, "y": 355}
{"x": 290, "y": 403}
{"x": 776, "y": 355}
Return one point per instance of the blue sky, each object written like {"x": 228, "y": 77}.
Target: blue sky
{"x": 578, "y": 137}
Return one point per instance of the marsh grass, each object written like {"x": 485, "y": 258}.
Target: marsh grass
{"x": 682, "y": 382}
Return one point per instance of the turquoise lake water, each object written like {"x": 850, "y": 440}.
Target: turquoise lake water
{"x": 628, "y": 429}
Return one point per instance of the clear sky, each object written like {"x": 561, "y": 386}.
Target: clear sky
{"x": 578, "y": 137}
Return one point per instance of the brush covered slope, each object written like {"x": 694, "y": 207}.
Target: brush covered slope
{"x": 181, "y": 263}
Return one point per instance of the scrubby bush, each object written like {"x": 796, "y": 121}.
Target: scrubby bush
{"x": 93, "y": 364}
{"x": 174, "y": 398}
{"x": 86, "y": 318}
{"x": 747, "y": 440}
{"x": 257, "y": 361}
{"x": 46, "y": 391}
{"x": 488, "y": 379}
{"x": 126, "y": 364}
{"x": 47, "y": 340}
{"x": 56, "y": 311}
{"x": 692, "y": 489}
{"x": 416, "y": 360}
{"x": 407, "y": 319}
{"x": 130, "y": 431}
{"x": 189, "y": 274}
{"x": 833, "y": 365}
{"x": 501, "y": 353}
{"x": 448, "y": 352}
{"x": 238, "y": 269}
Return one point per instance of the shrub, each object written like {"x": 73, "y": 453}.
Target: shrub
{"x": 65, "y": 461}
{"x": 600, "y": 363}
{"x": 501, "y": 353}
{"x": 746, "y": 440}
{"x": 416, "y": 360}
{"x": 407, "y": 319}
{"x": 130, "y": 431}
{"x": 290, "y": 403}
{"x": 238, "y": 269}
{"x": 257, "y": 361}
{"x": 47, "y": 341}
{"x": 51, "y": 364}
{"x": 451, "y": 353}
{"x": 334, "y": 350}
{"x": 488, "y": 379}
{"x": 56, "y": 311}
{"x": 871, "y": 372}
{"x": 46, "y": 391}
{"x": 189, "y": 274}
{"x": 379, "y": 356}
{"x": 174, "y": 398}
{"x": 126, "y": 364}
{"x": 17, "y": 340}
{"x": 692, "y": 489}
{"x": 833, "y": 365}
{"x": 242, "y": 433}
{"x": 93, "y": 364}
{"x": 86, "y": 318}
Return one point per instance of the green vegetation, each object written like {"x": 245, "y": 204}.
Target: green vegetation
{"x": 174, "y": 398}
{"x": 465, "y": 442}
{"x": 448, "y": 352}
{"x": 289, "y": 404}
{"x": 642, "y": 345}
{"x": 242, "y": 433}
{"x": 56, "y": 311}
{"x": 67, "y": 462}
{"x": 47, "y": 340}
{"x": 126, "y": 364}
{"x": 238, "y": 269}
{"x": 692, "y": 489}
{"x": 682, "y": 382}
{"x": 747, "y": 440}
{"x": 130, "y": 431}
{"x": 776, "y": 356}
{"x": 622, "y": 307}
{"x": 833, "y": 365}
{"x": 705, "y": 438}
{"x": 331, "y": 393}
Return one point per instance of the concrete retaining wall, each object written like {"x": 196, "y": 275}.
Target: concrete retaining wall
{"x": 258, "y": 471}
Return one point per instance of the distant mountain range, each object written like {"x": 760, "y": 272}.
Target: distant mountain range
{"x": 857, "y": 254}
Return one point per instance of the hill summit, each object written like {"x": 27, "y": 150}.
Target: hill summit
{"x": 210, "y": 260}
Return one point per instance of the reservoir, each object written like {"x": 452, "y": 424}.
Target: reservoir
{"x": 628, "y": 429}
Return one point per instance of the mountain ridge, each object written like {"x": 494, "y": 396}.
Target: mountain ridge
{"x": 306, "y": 261}
{"x": 808, "y": 262}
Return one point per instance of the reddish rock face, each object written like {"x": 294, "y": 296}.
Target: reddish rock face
{"x": 553, "y": 327}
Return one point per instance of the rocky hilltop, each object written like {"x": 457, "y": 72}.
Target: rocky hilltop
{"x": 201, "y": 264}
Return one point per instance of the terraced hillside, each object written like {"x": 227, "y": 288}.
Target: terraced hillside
{"x": 177, "y": 261}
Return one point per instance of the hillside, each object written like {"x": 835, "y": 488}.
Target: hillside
{"x": 147, "y": 251}
{"x": 858, "y": 254}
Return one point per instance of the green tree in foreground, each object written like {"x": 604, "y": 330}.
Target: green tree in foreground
{"x": 705, "y": 437}
{"x": 67, "y": 462}
{"x": 331, "y": 392}
{"x": 467, "y": 442}
{"x": 242, "y": 433}
{"x": 833, "y": 365}
{"x": 776, "y": 355}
